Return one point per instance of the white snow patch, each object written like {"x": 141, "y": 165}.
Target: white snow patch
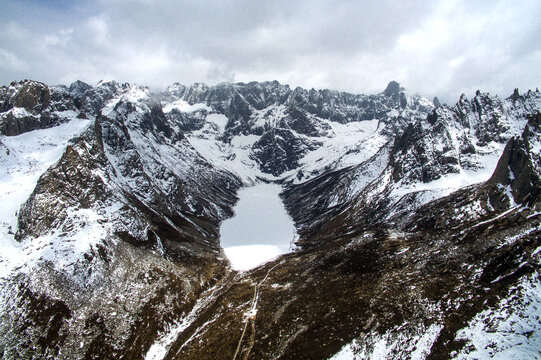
{"x": 219, "y": 120}
{"x": 65, "y": 249}
{"x": 244, "y": 141}
{"x": 509, "y": 193}
{"x": 184, "y": 106}
{"x": 451, "y": 182}
{"x": 352, "y": 144}
{"x": 424, "y": 344}
{"x": 109, "y": 106}
{"x": 509, "y": 330}
{"x": 345, "y": 145}
{"x": 260, "y": 230}
{"x": 136, "y": 94}
{"x": 269, "y": 116}
{"x": 346, "y": 353}
{"x": 392, "y": 344}
{"x": 19, "y": 112}
{"x": 23, "y": 159}
{"x": 247, "y": 257}
{"x": 535, "y": 146}
{"x": 234, "y": 157}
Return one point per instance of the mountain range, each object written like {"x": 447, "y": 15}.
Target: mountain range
{"x": 419, "y": 223}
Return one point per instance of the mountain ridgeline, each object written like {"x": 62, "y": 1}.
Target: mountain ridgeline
{"x": 419, "y": 223}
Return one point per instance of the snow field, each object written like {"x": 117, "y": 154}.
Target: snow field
{"x": 23, "y": 159}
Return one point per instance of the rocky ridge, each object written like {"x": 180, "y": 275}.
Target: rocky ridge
{"x": 413, "y": 217}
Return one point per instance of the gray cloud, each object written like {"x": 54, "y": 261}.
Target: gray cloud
{"x": 438, "y": 48}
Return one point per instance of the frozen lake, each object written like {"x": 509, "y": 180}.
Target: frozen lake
{"x": 260, "y": 230}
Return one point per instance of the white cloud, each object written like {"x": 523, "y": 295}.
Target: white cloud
{"x": 438, "y": 48}
{"x": 10, "y": 62}
{"x": 99, "y": 30}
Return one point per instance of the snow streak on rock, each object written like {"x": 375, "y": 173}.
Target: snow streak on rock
{"x": 509, "y": 330}
{"x": 412, "y": 218}
{"x": 415, "y": 346}
{"x": 23, "y": 159}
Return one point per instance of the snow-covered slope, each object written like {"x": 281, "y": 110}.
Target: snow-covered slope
{"x": 451, "y": 148}
{"x": 23, "y": 159}
{"x": 125, "y": 198}
{"x": 112, "y": 199}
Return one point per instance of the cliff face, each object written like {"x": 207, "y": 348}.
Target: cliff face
{"x": 418, "y": 222}
{"x": 30, "y": 105}
{"x": 520, "y": 164}
{"x": 123, "y": 233}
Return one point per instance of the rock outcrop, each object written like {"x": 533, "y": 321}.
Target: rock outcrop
{"x": 520, "y": 164}
{"x": 417, "y": 221}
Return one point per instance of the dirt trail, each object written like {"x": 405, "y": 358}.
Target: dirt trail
{"x": 250, "y": 317}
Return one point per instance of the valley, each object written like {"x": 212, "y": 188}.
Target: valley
{"x": 257, "y": 221}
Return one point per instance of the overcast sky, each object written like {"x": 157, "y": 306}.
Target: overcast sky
{"x": 431, "y": 47}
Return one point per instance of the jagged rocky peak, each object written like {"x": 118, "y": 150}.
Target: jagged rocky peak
{"x": 520, "y": 164}
{"x": 78, "y": 88}
{"x": 131, "y": 218}
{"x": 174, "y": 91}
{"x": 458, "y": 135}
{"x": 29, "y": 105}
{"x": 256, "y": 94}
{"x": 263, "y": 94}
{"x": 393, "y": 88}
{"x": 257, "y": 108}
{"x": 424, "y": 154}
{"x": 93, "y": 99}
{"x": 515, "y": 96}
{"x": 395, "y": 92}
{"x": 424, "y": 158}
{"x": 132, "y": 161}
{"x": 30, "y": 95}
{"x": 113, "y": 85}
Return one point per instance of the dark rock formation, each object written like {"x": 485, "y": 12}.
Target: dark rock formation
{"x": 131, "y": 212}
{"x": 30, "y": 105}
{"x": 519, "y": 167}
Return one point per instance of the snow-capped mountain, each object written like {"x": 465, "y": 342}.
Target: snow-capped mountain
{"x": 418, "y": 223}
